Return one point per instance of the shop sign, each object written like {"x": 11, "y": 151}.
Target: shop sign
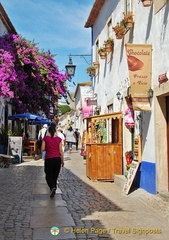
{"x": 86, "y": 93}
{"x": 139, "y": 59}
{"x": 15, "y": 148}
{"x": 130, "y": 177}
{"x": 91, "y": 102}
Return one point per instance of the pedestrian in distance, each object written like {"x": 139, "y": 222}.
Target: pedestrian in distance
{"x": 70, "y": 138}
{"x": 77, "y": 134}
{"x": 42, "y": 133}
{"x": 60, "y": 134}
{"x": 54, "y": 158}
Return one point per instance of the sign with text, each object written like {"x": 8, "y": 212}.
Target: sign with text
{"x": 91, "y": 102}
{"x": 15, "y": 148}
{"x": 86, "y": 93}
{"x": 139, "y": 59}
{"x": 130, "y": 177}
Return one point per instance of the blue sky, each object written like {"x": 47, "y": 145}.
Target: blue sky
{"x": 57, "y": 25}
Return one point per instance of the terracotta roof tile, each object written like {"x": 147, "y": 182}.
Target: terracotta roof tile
{"x": 94, "y": 13}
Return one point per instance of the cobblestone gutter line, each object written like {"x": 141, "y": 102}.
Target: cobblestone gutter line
{"x": 83, "y": 200}
{"x": 16, "y": 185}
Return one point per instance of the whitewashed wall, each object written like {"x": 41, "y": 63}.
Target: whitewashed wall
{"x": 150, "y": 28}
{"x": 3, "y": 101}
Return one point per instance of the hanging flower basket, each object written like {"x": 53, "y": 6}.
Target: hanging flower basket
{"x": 102, "y": 52}
{"x": 91, "y": 70}
{"x": 109, "y": 45}
{"x": 119, "y": 30}
{"x": 128, "y": 25}
{"x": 96, "y": 64}
{"x": 119, "y": 36}
{"x": 128, "y": 19}
{"x": 146, "y": 3}
{"x": 102, "y": 55}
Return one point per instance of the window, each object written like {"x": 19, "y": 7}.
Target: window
{"x": 110, "y": 108}
{"x": 109, "y": 28}
{"x": 96, "y": 52}
{"x": 115, "y": 130}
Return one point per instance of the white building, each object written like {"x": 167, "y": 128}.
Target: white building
{"x": 151, "y": 132}
{"x": 5, "y": 27}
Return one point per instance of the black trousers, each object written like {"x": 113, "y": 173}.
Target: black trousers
{"x": 52, "y": 169}
{"x": 77, "y": 143}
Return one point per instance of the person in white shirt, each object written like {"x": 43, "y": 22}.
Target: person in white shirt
{"x": 42, "y": 133}
{"x": 70, "y": 138}
{"x": 62, "y": 136}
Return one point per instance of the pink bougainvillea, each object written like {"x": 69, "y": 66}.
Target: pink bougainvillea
{"x": 29, "y": 77}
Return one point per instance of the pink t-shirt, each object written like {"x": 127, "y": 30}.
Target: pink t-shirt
{"x": 52, "y": 146}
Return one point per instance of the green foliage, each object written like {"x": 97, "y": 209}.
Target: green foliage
{"x": 64, "y": 109}
{"x": 5, "y": 133}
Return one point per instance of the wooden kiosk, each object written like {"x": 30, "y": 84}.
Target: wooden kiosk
{"x": 104, "y": 146}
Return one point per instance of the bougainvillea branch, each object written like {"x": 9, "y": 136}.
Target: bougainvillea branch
{"x": 30, "y": 77}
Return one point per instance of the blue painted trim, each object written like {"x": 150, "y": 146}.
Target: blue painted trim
{"x": 146, "y": 177}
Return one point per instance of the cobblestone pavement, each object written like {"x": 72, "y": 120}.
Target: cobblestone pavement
{"x": 102, "y": 211}
{"x": 99, "y": 209}
{"x": 16, "y": 186}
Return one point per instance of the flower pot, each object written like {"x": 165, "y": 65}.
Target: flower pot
{"x": 146, "y": 3}
{"x": 96, "y": 64}
{"x": 92, "y": 72}
{"x": 129, "y": 24}
{"x": 109, "y": 48}
{"x": 103, "y": 55}
{"x": 119, "y": 36}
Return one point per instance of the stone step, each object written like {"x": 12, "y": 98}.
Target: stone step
{"x": 119, "y": 180}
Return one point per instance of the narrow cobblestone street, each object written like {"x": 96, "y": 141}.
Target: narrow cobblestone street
{"x": 81, "y": 209}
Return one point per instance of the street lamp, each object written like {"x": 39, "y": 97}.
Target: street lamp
{"x": 70, "y": 68}
{"x": 118, "y": 94}
{"x": 150, "y": 93}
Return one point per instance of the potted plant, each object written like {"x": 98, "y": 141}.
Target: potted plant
{"x": 102, "y": 52}
{"x": 96, "y": 64}
{"x": 128, "y": 19}
{"x": 91, "y": 70}
{"x": 146, "y": 3}
{"x": 109, "y": 44}
{"x": 4, "y": 134}
{"x": 119, "y": 30}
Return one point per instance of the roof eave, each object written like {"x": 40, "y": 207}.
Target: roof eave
{"x": 94, "y": 13}
{"x": 6, "y": 21}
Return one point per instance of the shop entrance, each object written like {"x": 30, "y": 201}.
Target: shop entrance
{"x": 104, "y": 146}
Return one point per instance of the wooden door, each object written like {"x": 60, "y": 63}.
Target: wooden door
{"x": 106, "y": 162}
{"x": 109, "y": 157}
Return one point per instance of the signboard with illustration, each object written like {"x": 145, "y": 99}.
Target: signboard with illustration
{"x": 86, "y": 93}
{"x": 130, "y": 177}
{"x": 139, "y": 59}
{"x": 15, "y": 149}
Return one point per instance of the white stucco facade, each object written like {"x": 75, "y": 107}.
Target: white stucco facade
{"x": 5, "y": 105}
{"x": 151, "y": 26}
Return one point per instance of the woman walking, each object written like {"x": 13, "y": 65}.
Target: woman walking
{"x": 70, "y": 138}
{"x": 54, "y": 158}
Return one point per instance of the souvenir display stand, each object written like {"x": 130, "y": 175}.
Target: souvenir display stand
{"x": 104, "y": 146}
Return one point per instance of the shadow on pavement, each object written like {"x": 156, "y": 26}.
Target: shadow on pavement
{"x": 85, "y": 203}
